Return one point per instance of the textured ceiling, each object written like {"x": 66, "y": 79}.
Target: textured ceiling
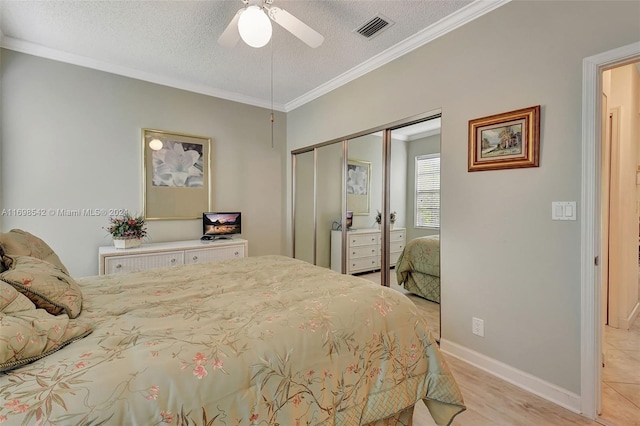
{"x": 175, "y": 42}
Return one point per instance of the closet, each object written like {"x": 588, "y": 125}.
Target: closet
{"x": 339, "y": 189}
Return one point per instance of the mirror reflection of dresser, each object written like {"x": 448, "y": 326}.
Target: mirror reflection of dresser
{"x": 364, "y": 250}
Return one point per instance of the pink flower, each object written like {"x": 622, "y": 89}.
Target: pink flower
{"x": 86, "y": 355}
{"x": 217, "y": 364}
{"x": 154, "y": 354}
{"x": 3, "y": 418}
{"x": 21, "y": 408}
{"x": 166, "y": 416}
{"x": 200, "y": 372}
{"x": 12, "y": 404}
{"x": 199, "y": 358}
{"x": 79, "y": 365}
{"x": 253, "y": 417}
{"x": 296, "y": 400}
{"x": 27, "y": 282}
{"x": 19, "y": 337}
{"x": 311, "y": 373}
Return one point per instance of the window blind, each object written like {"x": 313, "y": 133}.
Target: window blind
{"x": 427, "y": 191}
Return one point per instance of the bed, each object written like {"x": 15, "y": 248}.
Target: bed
{"x": 418, "y": 267}
{"x": 264, "y": 340}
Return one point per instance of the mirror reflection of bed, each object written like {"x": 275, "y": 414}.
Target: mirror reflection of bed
{"x": 414, "y": 194}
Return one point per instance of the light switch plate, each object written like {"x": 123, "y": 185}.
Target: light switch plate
{"x": 563, "y": 210}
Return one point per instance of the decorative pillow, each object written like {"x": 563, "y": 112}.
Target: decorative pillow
{"x": 28, "y": 333}
{"x": 45, "y": 284}
{"x": 21, "y": 243}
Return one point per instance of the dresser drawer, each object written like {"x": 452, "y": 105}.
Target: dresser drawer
{"x": 397, "y": 235}
{"x": 362, "y": 240}
{"x": 364, "y": 264}
{"x": 213, "y": 255}
{"x": 364, "y": 251}
{"x": 396, "y": 246}
{"x": 139, "y": 262}
{"x": 393, "y": 258}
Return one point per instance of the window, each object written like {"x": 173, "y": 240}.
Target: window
{"x": 428, "y": 191}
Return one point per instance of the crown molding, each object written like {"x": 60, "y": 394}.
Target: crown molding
{"x": 83, "y": 61}
{"x": 455, "y": 20}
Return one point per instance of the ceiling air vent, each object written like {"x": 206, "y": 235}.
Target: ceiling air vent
{"x": 374, "y": 26}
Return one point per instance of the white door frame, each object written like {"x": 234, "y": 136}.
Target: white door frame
{"x": 591, "y": 294}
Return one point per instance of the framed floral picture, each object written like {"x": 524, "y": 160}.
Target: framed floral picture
{"x": 176, "y": 175}
{"x": 505, "y": 141}
{"x": 358, "y": 186}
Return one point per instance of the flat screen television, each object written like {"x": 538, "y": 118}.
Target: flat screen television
{"x": 220, "y": 225}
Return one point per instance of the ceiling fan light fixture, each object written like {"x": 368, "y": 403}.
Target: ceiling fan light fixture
{"x": 254, "y": 27}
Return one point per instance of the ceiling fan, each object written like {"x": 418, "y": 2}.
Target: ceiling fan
{"x": 252, "y": 24}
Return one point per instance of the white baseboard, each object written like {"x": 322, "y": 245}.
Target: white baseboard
{"x": 526, "y": 381}
{"x": 627, "y": 322}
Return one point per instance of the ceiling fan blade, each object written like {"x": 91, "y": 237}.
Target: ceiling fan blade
{"x": 231, "y": 36}
{"x": 296, "y": 27}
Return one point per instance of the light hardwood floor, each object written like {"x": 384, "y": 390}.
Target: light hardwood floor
{"x": 491, "y": 401}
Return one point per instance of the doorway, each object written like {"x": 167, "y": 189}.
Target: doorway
{"x": 620, "y": 387}
{"x": 591, "y": 323}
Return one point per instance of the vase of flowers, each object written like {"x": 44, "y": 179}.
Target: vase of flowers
{"x": 392, "y": 219}
{"x": 126, "y": 230}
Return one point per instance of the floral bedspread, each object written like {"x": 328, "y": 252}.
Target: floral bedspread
{"x": 420, "y": 255}
{"x": 264, "y": 340}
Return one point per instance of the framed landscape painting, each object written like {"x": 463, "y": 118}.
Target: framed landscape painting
{"x": 176, "y": 175}
{"x": 505, "y": 141}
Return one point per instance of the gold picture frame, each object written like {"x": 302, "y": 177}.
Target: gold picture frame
{"x": 505, "y": 141}
{"x": 176, "y": 175}
{"x": 358, "y": 187}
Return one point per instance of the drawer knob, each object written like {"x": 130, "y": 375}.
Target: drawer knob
{"x": 195, "y": 258}
{"x": 236, "y": 253}
{"x": 373, "y": 250}
{"x": 118, "y": 266}
{"x": 173, "y": 261}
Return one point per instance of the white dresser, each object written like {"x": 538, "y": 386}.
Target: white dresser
{"x": 159, "y": 255}
{"x": 364, "y": 251}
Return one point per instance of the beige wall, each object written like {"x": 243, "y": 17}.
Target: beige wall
{"x": 503, "y": 259}
{"x": 624, "y": 101}
{"x": 71, "y": 139}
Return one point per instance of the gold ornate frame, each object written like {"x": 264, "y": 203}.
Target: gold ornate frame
{"x": 505, "y": 141}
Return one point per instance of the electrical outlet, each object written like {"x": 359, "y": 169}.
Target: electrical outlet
{"x": 477, "y": 326}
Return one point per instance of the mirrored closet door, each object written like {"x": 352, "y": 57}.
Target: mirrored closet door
{"x": 369, "y": 205}
{"x": 415, "y": 198}
{"x": 304, "y": 228}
